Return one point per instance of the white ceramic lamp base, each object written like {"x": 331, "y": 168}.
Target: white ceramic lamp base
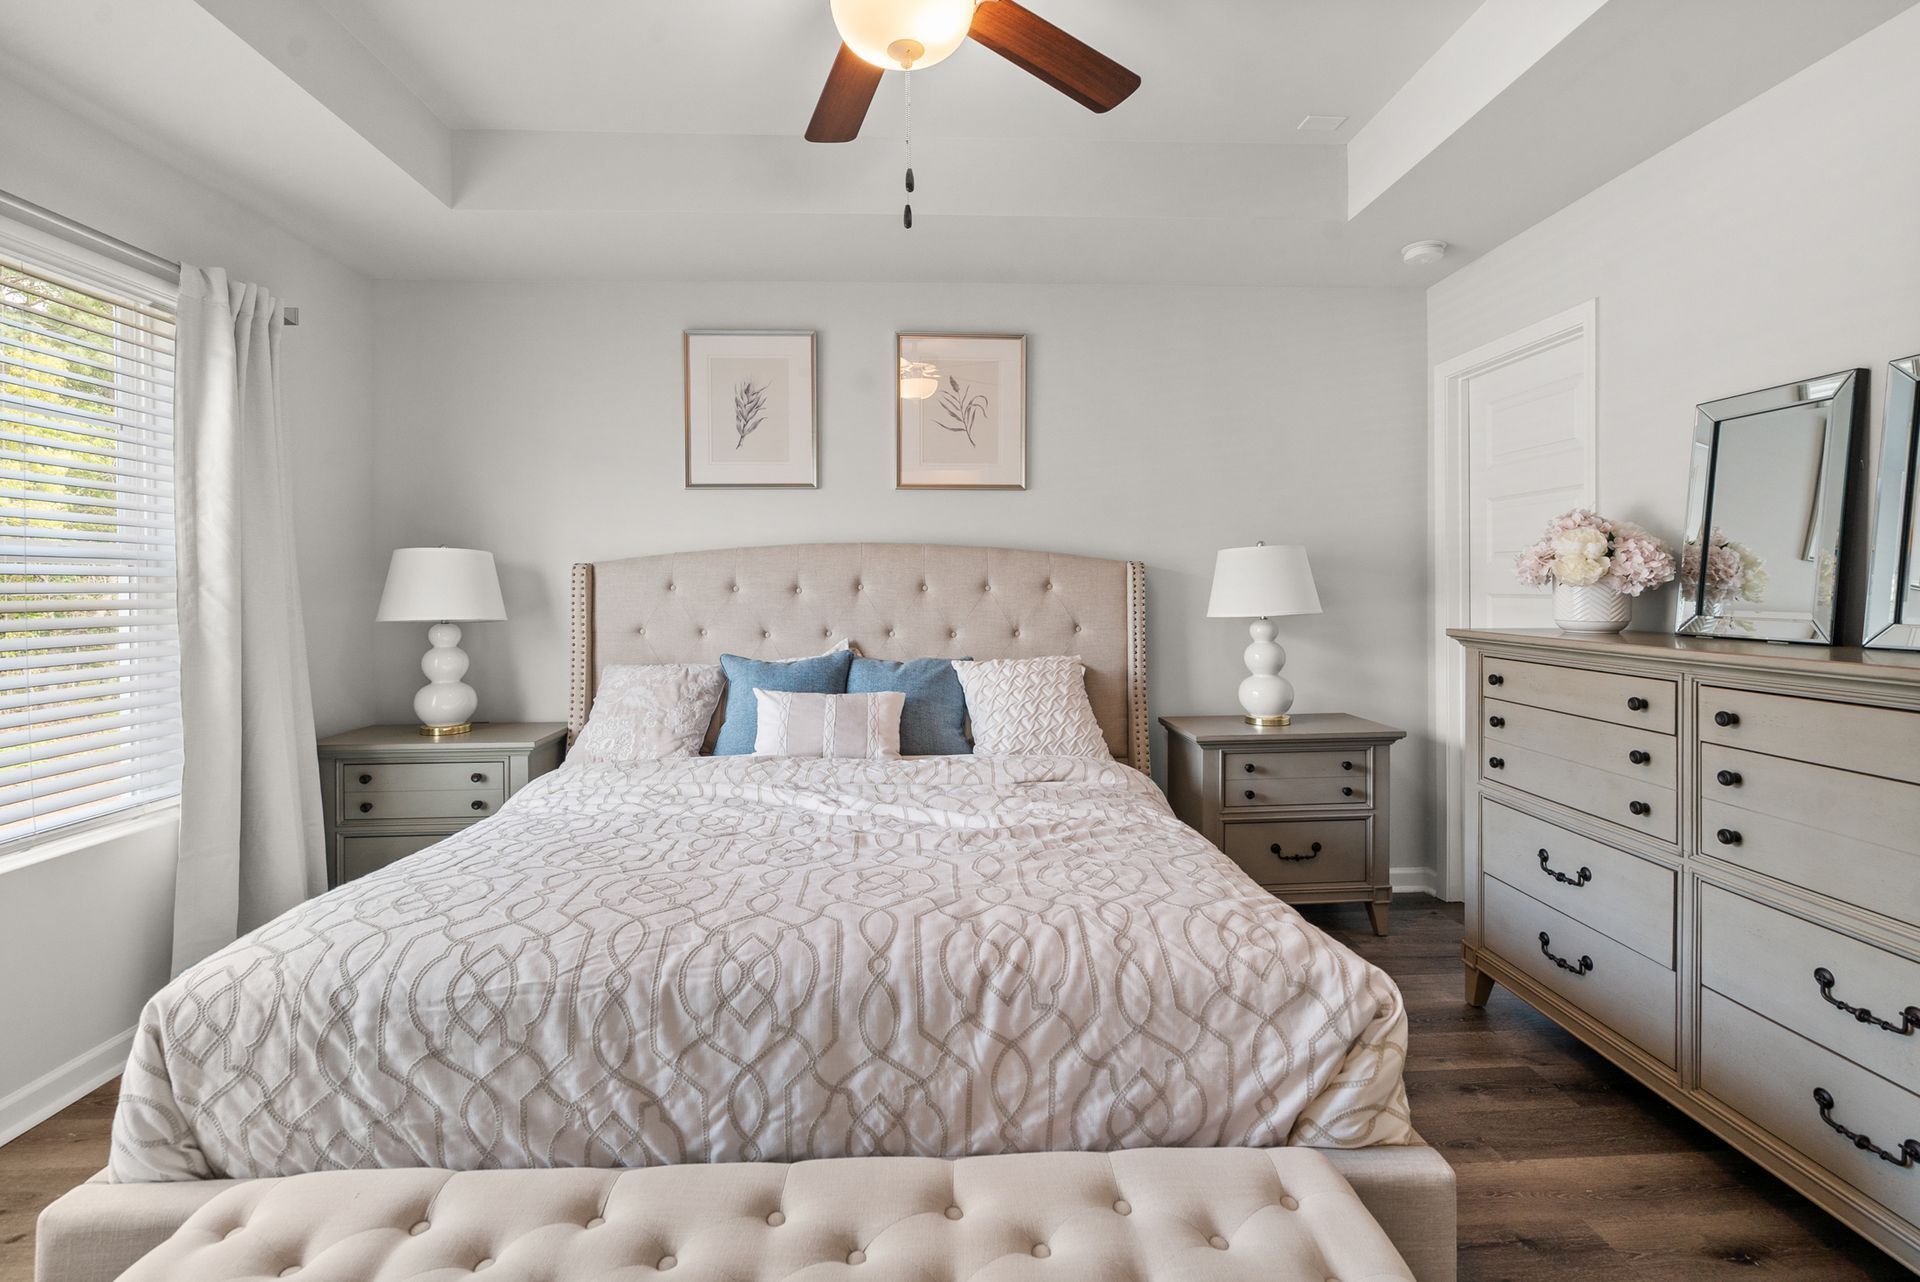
{"x": 445, "y": 704}
{"x": 1265, "y": 694}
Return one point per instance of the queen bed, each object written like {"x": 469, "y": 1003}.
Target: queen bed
{"x": 748, "y": 959}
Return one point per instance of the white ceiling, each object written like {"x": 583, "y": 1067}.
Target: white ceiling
{"x": 489, "y": 139}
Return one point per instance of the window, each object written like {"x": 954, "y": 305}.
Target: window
{"x": 89, "y": 643}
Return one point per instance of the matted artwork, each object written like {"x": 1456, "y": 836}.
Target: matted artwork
{"x": 962, "y": 417}
{"x": 750, "y": 409}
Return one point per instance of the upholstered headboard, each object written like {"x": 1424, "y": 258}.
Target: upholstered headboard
{"x": 894, "y": 600}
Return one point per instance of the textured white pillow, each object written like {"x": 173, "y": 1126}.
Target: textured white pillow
{"x": 1035, "y": 707}
{"x": 828, "y": 725}
{"x": 648, "y": 711}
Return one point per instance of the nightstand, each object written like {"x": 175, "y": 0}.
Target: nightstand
{"x": 1301, "y": 807}
{"x": 389, "y": 790}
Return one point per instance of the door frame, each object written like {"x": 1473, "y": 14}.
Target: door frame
{"x": 1450, "y": 469}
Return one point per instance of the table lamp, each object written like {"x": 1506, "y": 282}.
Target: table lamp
{"x": 440, "y": 586}
{"x": 1257, "y": 583}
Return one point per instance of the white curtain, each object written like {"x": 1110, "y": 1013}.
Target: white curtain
{"x": 251, "y": 844}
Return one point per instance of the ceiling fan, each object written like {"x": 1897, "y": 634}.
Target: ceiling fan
{"x": 882, "y": 35}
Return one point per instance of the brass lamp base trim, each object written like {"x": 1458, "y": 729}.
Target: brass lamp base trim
{"x": 1282, "y": 720}
{"x": 443, "y": 732}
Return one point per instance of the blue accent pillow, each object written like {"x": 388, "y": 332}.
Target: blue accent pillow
{"x": 822, "y": 674}
{"x": 934, "y": 722}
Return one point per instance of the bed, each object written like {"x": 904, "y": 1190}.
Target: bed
{"x": 749, "y": 960}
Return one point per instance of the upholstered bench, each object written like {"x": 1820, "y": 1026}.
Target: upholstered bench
{"x": 1268, "y": 1214}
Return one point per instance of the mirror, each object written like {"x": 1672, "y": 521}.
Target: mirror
{"x": 1774, "y": 476}
{"x": 1893, "y": 577}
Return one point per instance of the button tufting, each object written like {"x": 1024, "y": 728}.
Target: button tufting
{"x": 670, "y": 587}
{"x": 766, "y": 636}
{"x": 1217, "y": 1242}
{"x": 923, "y": 587}
{"x": 952, "y": 632}
{"x": 595, "y": 1222}
{"x": 859, "y": 587}
{"x": 418, "y": 1229}
{"x": 953, "y": 1213}
{"x": 734, "y": 588}
{"x": 796, "y": 589}
{"x": 986, "y": 587}
{"x": 889, "y": 631}
{"x": 666, "y": 1262}
{"x": 1041, "y": 1251}
{"x": 856, "y": 1257}
{"x": 703, "y": 632}
{"x": 1290, "y": 1203}
{"x": 1016, "y": 633}
{"x": 1049, "y": 585}
{"x": 776, "y": 1219}
{"x": 1123, "y": 1206}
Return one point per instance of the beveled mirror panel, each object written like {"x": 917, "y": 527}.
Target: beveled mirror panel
{"x": 1893, "y": 569}
{"x": 1774, "y": 475}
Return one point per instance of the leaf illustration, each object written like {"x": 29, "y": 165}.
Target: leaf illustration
{"x": 963, "y": 409}
{"x": 749, "y": 410}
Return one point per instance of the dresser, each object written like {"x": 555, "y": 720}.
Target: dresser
{"x": 1301, "y": 807}
{"x": 389, "y": 790}
{"x": 1703, "y": 858}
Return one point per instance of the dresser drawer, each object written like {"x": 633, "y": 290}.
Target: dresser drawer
{"x": 1776, "y": 964}
{"x": 1636, "y": 805}
{"x": 1869, "y": 876}
{"x": 362, "y": 855}
{"x": 1769, "y": 1075}
{"x": 1612, "y": 983}
{"x": 1621, "y": 750}
{"x": 1253, "y": 793}
{"x": 449, "y": 804}
{"x": 1646, "y": 703}
{"x": 1625, "y": 897}
{"x": 422, "y": 776}
{"x": 1294, "y": 852}
{"x": 1875, "y": 741}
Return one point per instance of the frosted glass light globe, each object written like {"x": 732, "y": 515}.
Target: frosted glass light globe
{"x": 903, "y": 33}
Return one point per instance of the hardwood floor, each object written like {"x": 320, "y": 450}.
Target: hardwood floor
{"x": 1568, "y": 1169}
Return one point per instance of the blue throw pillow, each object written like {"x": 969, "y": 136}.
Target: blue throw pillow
{"x": 934, "y": 723}
{"x": 822, "y": 674}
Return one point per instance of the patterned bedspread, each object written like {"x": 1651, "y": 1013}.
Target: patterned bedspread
{"x": 739, "y": 959}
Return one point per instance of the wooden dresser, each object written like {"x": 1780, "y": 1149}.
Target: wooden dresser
{"x": 1703, "y": 858}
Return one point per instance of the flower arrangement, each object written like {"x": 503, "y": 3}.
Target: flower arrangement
{"x": 1584, "y": 549}
{"x": 1735, "y": 572}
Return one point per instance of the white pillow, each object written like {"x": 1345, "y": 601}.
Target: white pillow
{"x": 1035, "y": 707}
{"x": 828, "y": 725}
{"x": 649, "y": 711}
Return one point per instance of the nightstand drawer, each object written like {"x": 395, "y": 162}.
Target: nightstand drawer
{"x": 1294, "y": 765}
{"x": 423, "y": 776}
{"x": 362, "y": 855}
{"x": 1295, "y": 852}
{"x": 1255, "y": 794}
{"x": 449, "y": 803}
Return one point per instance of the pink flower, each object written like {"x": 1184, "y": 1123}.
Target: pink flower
{"x": 1630, "y": 562}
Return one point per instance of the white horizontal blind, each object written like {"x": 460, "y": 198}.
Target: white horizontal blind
{"x": 89, "y": 643}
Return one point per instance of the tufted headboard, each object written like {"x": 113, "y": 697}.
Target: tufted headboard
{"x": 894, "y": 600}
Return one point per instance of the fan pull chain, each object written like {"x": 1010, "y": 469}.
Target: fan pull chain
{"x": 907, "y": 217}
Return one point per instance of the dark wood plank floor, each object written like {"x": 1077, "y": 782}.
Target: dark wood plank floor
{"x": 1568, "y": 1169}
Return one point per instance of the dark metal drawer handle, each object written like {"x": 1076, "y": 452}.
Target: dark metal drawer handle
{"x": 1726, "y": 718}
{"x": 1639, "y": 758}
{"x": 1728, "y": 778}
{"x": 1498, "y": 723}
{"x": 477, "y": 777}
{"x": 1639, "y": 808}
{"x": 365, "y": 779}
{"x": 1582, "y": 967}
{"x": 1495, "y": 679}
{"x": 1249, "y": 794}
{"x": 1346, "y": 792}
{"x": 1636, "y": 704}
{"x": 1580, "y": 878}
{"x": 1909, "y": 1154}
{"x": 1249, "y": 769}
{"x": 479, "y": 805}
{"x": 1312, "y": 853}
{"x": 1727, "y": 837}
{"x": 1909, "y": 1019}
{"x": 1346, "y": 765}
{"x": 1498, "y": 763}
{"x": 366, "y": 807}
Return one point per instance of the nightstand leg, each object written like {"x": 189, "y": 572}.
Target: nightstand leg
{"x": 1479, "y": 986}
{"x": 1379, "y": 914}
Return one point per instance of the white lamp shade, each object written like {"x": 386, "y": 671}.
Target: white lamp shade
{"x": 1259, "y": 582}
{"x": 434, "y": 585}
{"x": 892, "y": 33}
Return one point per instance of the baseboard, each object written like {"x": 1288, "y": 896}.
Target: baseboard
{"x": 47, "y": 1094}
{"x": 1416, "y": 879}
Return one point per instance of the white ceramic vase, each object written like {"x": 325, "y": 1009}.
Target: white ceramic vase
{"x": 1590, "y": 609}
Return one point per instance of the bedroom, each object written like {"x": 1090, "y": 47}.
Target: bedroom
{"x": 513, "y": 235}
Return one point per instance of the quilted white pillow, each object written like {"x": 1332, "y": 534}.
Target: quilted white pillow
{"x": 828, "y": 725}
{"x": 649, "y": 711}
{"x": 1033, "y": 707}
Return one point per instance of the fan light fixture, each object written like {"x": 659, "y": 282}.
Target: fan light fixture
{"x": 905, "y": 34}
{"x": 918, "y": 380}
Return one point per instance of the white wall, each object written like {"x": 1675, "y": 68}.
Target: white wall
{"x": 1775, "y": 244}
{"x": 545, "y": 423}
{"x": 85, "y": 936}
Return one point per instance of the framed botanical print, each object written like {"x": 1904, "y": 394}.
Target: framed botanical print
{"x": 961, "y": 422}
{"x": 750, "y": 409}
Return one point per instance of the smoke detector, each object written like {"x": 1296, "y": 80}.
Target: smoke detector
{"x": 1422, "y": 252}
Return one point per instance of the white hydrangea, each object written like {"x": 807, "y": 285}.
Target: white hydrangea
{"x": 1579, "y": 557}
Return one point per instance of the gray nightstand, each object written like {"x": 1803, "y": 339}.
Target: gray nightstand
{"x": 389, "y": 790}
{"x": 1302, "y": 807}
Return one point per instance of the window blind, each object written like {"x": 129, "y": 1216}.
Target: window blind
{"x": 89, "y": 642}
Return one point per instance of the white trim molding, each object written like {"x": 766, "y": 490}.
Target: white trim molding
{"x": 52, "y": 1091}
{"x": 1418, "y": 879}
{"x": 1449, "y": 470}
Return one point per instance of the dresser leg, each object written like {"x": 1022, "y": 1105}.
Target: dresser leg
{"x": 1379, "y": 914}
{"x": 1479, "y": 986}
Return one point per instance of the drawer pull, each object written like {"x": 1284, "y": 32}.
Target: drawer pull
{"x": 1498, "y": 723}
{"x": 1249, "y": 770}
{"x": 366, "y": 807}
{"x": 1726, "y": 718}
{"x": 1495, "y": 679}
{"x": 1581, "y": 967}
{"x": 1249, "y": 794}
{"x": 1639, "y": 808}
{"x": 1727, "y": 837}
{"x": 1346, "y": 765}
{"x": 1346, "y": 792}
{"x": 477, "y": 777}
{"x": 1636, "y": 704}
{"x": 1580, "y": 878}
{"x": 1909, "y": 1154}
{"x": 479, "y": 805}
{"x": 1728, "y": 778}
{"x": 1639, "y": 758}
{"x": 1313, "y": 852}
{"x": 1909, "y": 1019}
{"x": 365, "y": 780}
{"x": 1498, "y": 763}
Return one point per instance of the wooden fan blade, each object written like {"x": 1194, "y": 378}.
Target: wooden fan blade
{"x": 1035, "y": 45}
{"x": 843, "y": 103}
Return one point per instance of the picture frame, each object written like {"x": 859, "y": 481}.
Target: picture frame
{"x": 960, "y": 412}
{"x": 752, "y": 409}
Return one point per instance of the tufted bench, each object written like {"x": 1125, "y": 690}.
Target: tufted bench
{"x": 1268, "y": 1214}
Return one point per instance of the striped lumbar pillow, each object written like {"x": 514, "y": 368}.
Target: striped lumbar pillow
{"x": 828, "y": 725}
